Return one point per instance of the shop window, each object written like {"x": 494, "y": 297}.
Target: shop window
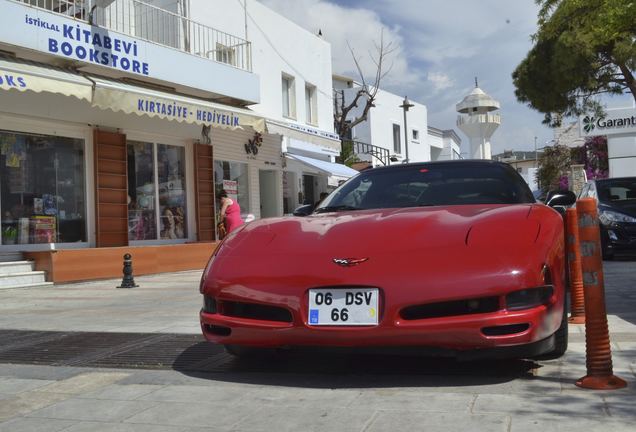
{"x": 225, "y": 54}
{"x": 172, "y": 191}
{"x": 156, "y": 186}
{"x": 231, "y": 177}
{"x": 289, "y": 179}
{"x": 397, "y": 145}
{"x": 42, "y": 189}
{"x": 311, "y": 105}
{"x": 289, "y": 96}
{"x": 142, "y": 217}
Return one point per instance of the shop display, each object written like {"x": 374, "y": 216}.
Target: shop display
{"x": 9, "y": 235}
{"x": 233, "y": 178}
{"x": 42, "y": 189}
{"x": 149, "y": 183}
{"x": 43, "y": 229}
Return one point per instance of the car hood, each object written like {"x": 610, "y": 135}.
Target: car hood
{"x": 494, "y": 247}
{"x": 388, "y": 231}
{"x": 627, "y": 207}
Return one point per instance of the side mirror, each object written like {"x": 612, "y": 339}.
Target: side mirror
{"x": 564, "y": 198}
{"x": 304, "y": 210}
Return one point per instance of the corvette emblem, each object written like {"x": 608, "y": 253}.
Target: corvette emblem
{"x": 349, "y": 262}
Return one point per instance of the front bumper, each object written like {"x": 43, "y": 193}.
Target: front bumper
{"x": 620, "y": 236}
{"x": 458, "y": 333}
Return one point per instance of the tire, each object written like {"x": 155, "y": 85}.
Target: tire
{"x": 560, "y": 337}
{"x": 607, "y": 251}
{"x": 242, "y": 351}
{"x": 239, "y": 350}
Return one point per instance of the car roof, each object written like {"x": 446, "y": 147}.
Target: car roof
{"x": 457, "y": 162}
{"x": 608, "y": 180}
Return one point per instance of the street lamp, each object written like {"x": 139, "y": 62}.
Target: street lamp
{"x": 406, "y": 104}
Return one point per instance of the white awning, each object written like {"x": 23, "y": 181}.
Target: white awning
{"x": 308, "y": 134}
{"x": 27, "y": 76}
{"x": 304, "y": 146}
{"x": 131, "y": 99}
{"x": 329, "y": 168}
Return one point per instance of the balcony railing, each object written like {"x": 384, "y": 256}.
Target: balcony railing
{"x": 351, "y": 150}
{"x": 479, "y": 118}
{"x": 145, "y": 21}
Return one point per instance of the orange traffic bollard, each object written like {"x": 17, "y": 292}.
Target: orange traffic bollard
{"x": 600, "y": 374}
{"x": 577, "y": 306}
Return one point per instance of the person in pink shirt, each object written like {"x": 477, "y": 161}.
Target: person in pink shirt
{"x": 230, "y": 213}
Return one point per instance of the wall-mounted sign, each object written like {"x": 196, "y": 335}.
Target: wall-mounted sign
{"x": 21, "y": 76}
{"x": 328, "y": 140}
{"x": 615, "y": 121}
{"x": 253, "y": 144}
{"x": 231, "y": 187}
{"x": 136, "y": 100}
{"x": 22, "y": 25}
{"x": 79, "y": 41}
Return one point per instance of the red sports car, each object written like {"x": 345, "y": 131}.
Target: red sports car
{"x": 455, "y": 257}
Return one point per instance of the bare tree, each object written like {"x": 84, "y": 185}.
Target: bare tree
{"x": 366, "y": 91}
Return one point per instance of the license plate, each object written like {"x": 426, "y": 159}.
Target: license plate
{"x": 353, "y": 306}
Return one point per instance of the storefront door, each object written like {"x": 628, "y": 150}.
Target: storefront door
{"x": 269, "y": 201}
{"x": 308, "y": 189}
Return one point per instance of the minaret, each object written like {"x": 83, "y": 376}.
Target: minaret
{"x": 477, "y": 122}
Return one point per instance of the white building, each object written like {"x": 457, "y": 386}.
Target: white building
{"x": 568, "y": 134}
{"x": 121, "y": 119}
{"x": 384, "y": 138}
{"x": 380, "y": 140}
{"x": 294, "y": 67}
{"x": 526, "y": 163}
{"x": 445, "y": 144}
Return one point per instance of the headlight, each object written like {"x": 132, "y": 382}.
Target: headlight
{"x": 529, "y": 298}
{"x": 206, "y": 270}
{"x": 209, "y": 304}
{"x": 609, "y": 216}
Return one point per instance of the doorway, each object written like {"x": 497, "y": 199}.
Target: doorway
{"x": 308, "y": 189}
{"x": 268, "y": 193}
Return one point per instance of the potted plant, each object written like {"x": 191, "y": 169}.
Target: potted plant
{"x": 9, "y": 235}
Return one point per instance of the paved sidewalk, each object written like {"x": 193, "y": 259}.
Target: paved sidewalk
{"x": 338, "y": 395}
{"x": 164, "y": 303}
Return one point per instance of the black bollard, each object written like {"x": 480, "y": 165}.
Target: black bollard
{"x": 128, "y": 281}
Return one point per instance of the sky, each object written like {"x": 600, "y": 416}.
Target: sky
{"x": 440, "y": 47}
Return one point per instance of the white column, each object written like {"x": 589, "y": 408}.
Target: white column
{"x": 621, "y": 153}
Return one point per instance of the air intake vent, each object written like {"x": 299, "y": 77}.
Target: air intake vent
{"x": 452, "y": 308}
{"x": 504, "y": 330}
{"x": 256, "y": 311}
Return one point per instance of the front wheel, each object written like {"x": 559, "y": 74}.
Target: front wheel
{"x": 239, "y": 350}
{"x": 243, "y": 351}
{"x": 560, "y": 338}
{"x": 606, "y": 249}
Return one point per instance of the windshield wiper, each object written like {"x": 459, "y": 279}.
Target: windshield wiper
{"x": 335, "y": 208}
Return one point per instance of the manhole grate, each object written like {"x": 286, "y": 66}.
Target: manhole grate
{"x": 116, "y": 350}
{"x": 191, "y": 353}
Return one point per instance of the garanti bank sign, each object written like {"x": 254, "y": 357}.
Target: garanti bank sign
{"x": 616, "y": 121}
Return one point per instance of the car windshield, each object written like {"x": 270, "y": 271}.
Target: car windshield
{"x": 619, "y": 191}
{"x": 433, "y": 184}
